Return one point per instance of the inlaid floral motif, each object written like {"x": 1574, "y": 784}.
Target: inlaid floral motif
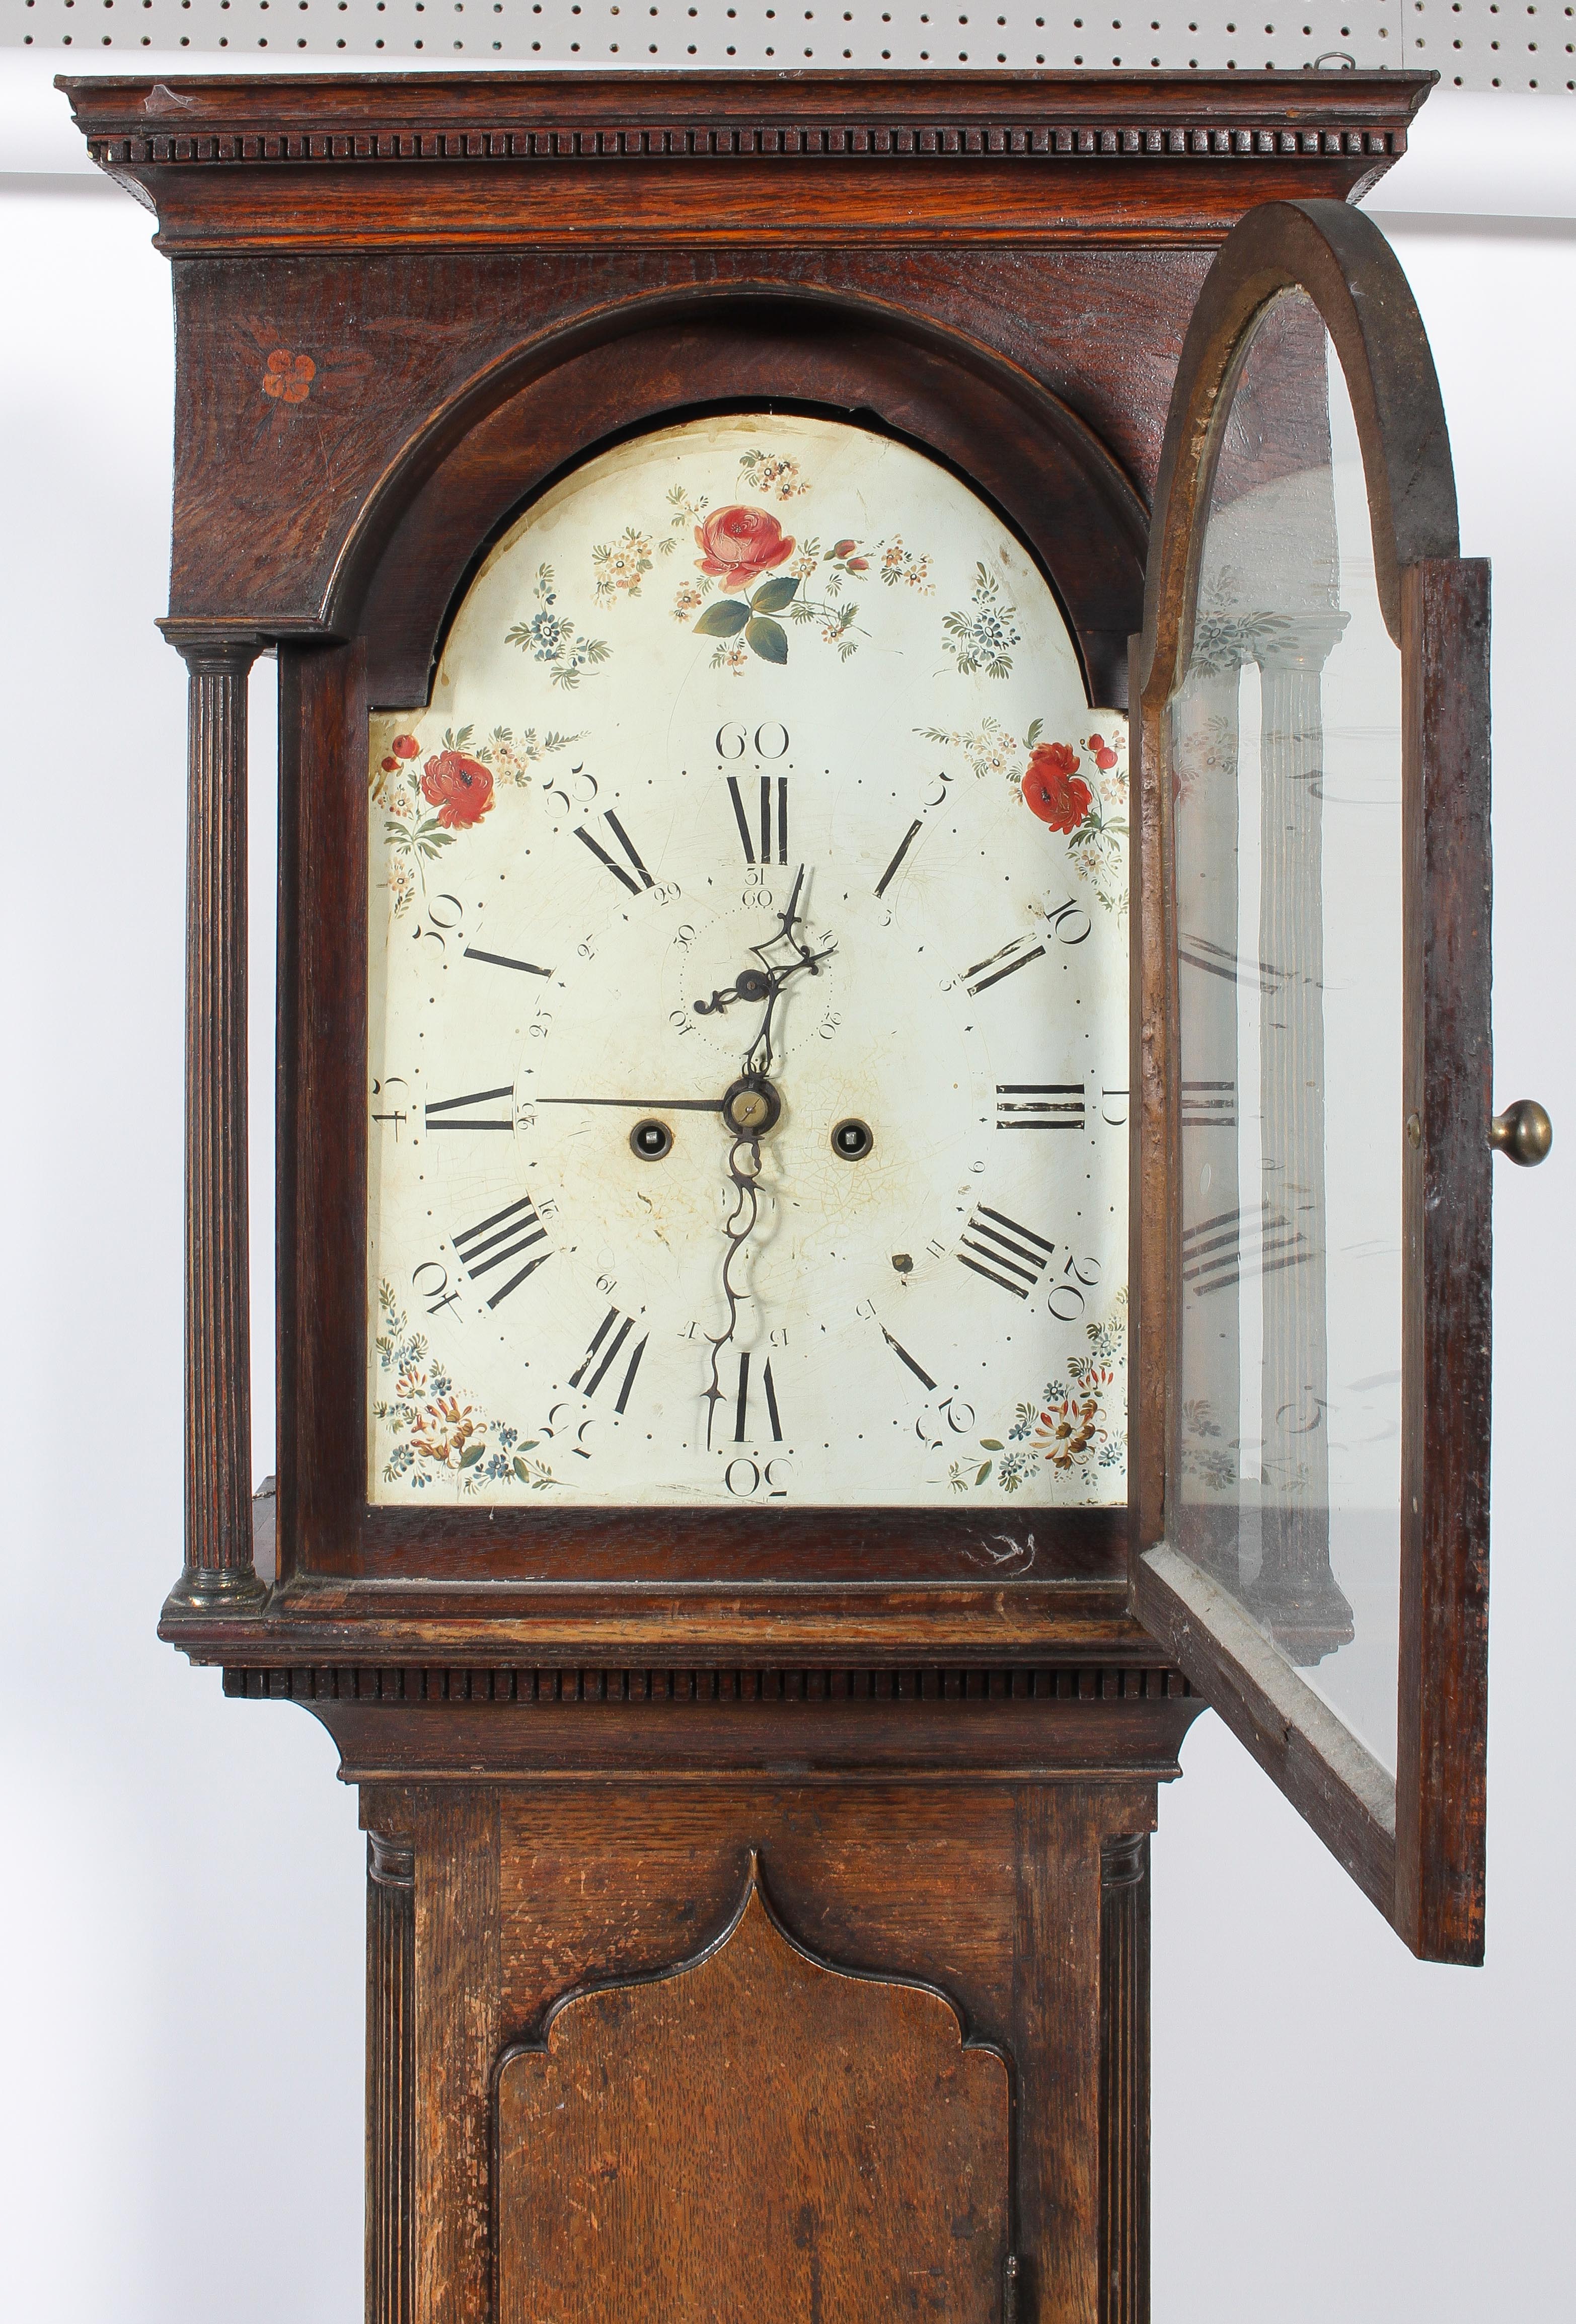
{"x": 288, "y": 378}
{"x": 427, "y": 1429}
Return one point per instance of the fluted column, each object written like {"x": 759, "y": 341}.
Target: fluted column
{"x": 391, "y": 2091}
{"x": 1124, "y": 2079}
{"x": 218, "y": 1570}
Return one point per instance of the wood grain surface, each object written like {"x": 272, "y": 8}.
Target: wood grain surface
{"x": 1441, "y": 1774}
{"x": 998, "y": 1894}
{"x": 753, "y": 2115}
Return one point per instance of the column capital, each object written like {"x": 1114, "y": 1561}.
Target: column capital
{"x": 215, "y": 646}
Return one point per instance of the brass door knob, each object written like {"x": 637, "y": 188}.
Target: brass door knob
{"x": 1522, "y": 1131}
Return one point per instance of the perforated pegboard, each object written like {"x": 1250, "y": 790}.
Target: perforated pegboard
{"x": 1512, "y": 44}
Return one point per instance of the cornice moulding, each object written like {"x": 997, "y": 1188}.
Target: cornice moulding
{"x": 706, "y": 117}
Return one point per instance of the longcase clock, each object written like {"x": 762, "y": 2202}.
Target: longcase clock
{"x": 884, "y": 1116}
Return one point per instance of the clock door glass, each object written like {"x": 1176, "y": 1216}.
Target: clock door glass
{"x": 748, "y": 972}
{"x": 1286, "y": 765}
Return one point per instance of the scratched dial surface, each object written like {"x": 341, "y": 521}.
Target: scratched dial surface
{"x": 748, "y": 984}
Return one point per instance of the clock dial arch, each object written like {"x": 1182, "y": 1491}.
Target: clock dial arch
{"x": 535, "y": 417}
{"x": 753, "y": 895}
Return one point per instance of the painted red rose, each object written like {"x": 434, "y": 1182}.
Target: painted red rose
{"x": 1103, "y": 755}
{"x": 460, "y": 788}
{"x": 739, "y": 544}
{"x": 404, "y": 746}
{"x": 1052, "y": 788}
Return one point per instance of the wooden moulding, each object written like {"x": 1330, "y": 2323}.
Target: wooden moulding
{"x": 1414, "y": 1843}
{"x": 426, "y": 1724}
{"x": 581, "y": 159}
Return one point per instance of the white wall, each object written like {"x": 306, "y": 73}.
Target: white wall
{"x": 1338, "y": 2132}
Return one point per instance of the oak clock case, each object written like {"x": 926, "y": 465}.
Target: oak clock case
{"x": 758, "y": 1504}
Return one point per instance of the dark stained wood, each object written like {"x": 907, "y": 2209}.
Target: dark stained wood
{"x": 321, "y": 1143}
{"x": 1124, "y": 2079}
{"x": 1048, "y": 472}
{"x": 992, "y": 1893}
{"x": 1447, "y": 1321}
{"x": 1339, "y": 257}
{"x": 719, "y": 158}
{"x": 1335, "y": 1785}
{"x": 552, "y": 1727}
{"x": 1414, "y": 1843}
{"x": 459, "y": 2032}
{"x": 400, "y": 1622}
{"x": 285, "y": 506}
{"x": 390, "y": 2080}
{"x": 218, "y": 1571}
{"x": 753, "y": 2113}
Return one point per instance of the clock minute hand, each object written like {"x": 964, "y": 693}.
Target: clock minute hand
{"x": 640, "y": 1104}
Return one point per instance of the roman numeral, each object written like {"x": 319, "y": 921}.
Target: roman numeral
{"x": 918, "y": 1370}
{"x": 502, "y": 960}
{"x": 976, "y": 981}
{"x": 1039, "y": 1105}
{"x": 742, "y": 820}
{"x": 1209, "y": 1105}
{"x": 596, "y": 1363}
{"x": 742, "y": 1410}
{"x": 494, "y": 1242}
{"x": 1003, "y": 1253}
{"x": 1219, "y": 1252}
{"x": 904, "y": 844}
{"x": 451, "y": 1106}
{"x": 627, "y": 844}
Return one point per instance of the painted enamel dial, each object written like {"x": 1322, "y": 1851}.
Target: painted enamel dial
{"x": 748, "y": 986}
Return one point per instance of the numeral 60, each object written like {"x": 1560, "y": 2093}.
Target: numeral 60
{"x": 733, "y": 741}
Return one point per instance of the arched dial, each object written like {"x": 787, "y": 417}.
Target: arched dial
{"x": 748, "y": 961}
